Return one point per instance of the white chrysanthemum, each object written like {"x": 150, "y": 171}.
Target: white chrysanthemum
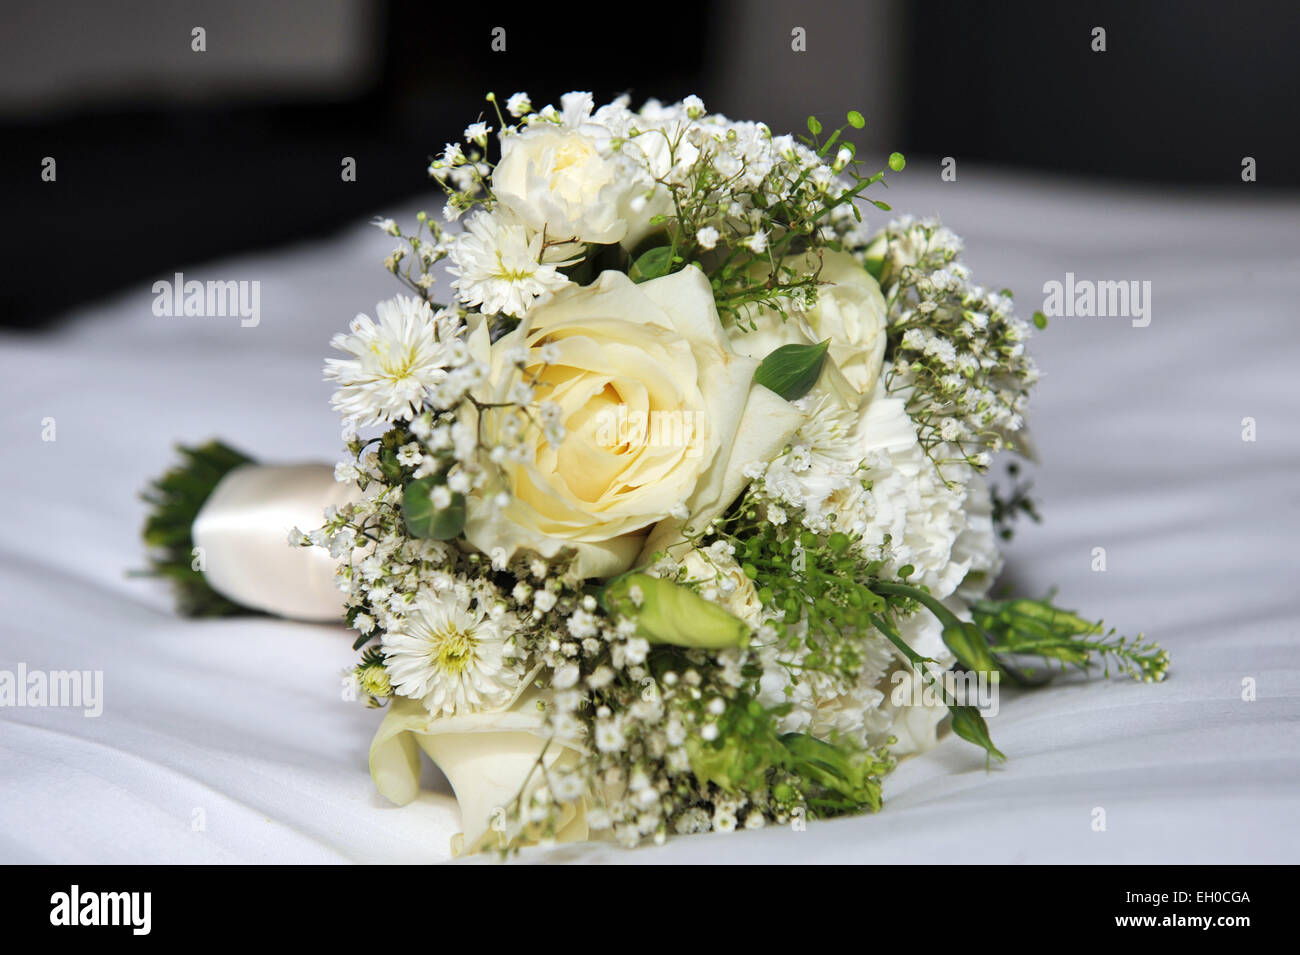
{"x": 498, "y": 266}
{"x": 451, "y": 655}
{"x": 395, "y": 363}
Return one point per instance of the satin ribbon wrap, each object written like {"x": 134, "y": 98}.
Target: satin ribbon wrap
{"x": 488, "y": 757}
{"x": 242, "y": 534}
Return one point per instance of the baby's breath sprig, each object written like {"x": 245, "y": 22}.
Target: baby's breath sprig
{"x": 741, "y": 211}
{"x": 956, "y": 350}
{"x": 1009, "y": 504}
{"x": 413, "y": 261}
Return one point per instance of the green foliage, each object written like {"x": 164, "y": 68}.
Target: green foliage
{"x": 175, "y": 500}
{"x": 1024, "y": 628}
{"x": 653, "y": 264}
{"x": 792, "y": 370}
{"x": 825, "y": 581}
{"x": 751, "y": 754}
{"x": 424, "y": 519}
{"x": 837, "y": 779}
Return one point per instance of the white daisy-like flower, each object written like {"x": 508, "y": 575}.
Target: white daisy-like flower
{"x": 498, "y": 266}
{"x": 451, "y": 654}
{"x": 395, "y": 362}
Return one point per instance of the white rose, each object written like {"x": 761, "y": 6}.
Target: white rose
{"x": 566, "y": 182}
{"x": 850, "y": 311}
{"x": 723, "y": 582}
{"x": 658, "y": 413}
{"x": 488, "y": 757}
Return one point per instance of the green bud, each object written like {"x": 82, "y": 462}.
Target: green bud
{"x": 970, "y": 726}
{"x": 968, "y": 644}
{"x": 1062, "y": 621}
{"x": 666, "y": 612}
{"x": 897, "y": 162}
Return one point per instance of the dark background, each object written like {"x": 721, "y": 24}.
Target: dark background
{"x": 166, "y": 156}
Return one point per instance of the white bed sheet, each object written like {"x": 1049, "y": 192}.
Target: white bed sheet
{"x": 228, "y": 741}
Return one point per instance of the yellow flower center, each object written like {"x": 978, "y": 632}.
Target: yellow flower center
{"x": 506, "y": 273}
{"x": 568, "y": 155}
{"x": 395, "y": 362}
{"x": 453, "y": 650}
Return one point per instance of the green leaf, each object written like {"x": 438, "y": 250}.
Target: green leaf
{"x": 875, "y": 264}
{"x": 426, "y": 521}
{"x": 792, "y": 370}
{"x": 654, "y": 264}
{"x": 666, "y": 612}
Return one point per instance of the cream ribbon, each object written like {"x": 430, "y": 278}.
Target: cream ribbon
{"x": 242, "y": 532}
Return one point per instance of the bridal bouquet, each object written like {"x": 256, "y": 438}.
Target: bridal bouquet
{"x": 667, "y": 513}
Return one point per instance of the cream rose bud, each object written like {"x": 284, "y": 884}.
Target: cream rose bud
{"x": 659, "y": 417}
{"x": 850, "y": 311}
{"x": 722, "y": 581}
{"x": 565, "y": 182}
